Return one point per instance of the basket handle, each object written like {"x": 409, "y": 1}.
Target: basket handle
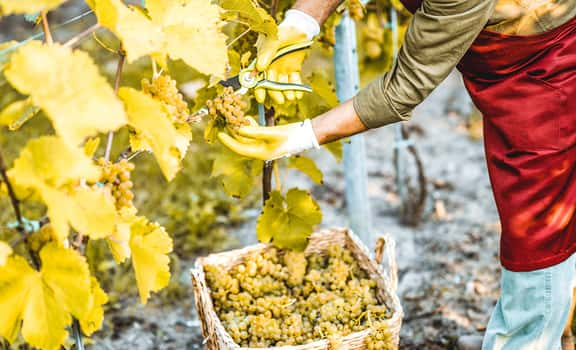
{"x": 386, "y": 245}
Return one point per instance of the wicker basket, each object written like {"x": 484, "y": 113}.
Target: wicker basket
{"x": 217, "y": 338}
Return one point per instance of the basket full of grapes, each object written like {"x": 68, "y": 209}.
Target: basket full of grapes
{"x": 333, "y": 295}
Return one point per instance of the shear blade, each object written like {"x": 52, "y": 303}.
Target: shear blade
{"x": 233, "y": 82}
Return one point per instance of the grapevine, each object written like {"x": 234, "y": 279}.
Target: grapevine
{"x": 280, "y": 298}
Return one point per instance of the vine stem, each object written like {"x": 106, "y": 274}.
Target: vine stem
{"x": 13, "y": 199}
{"x": 77, "y": 334}
{"x": 268, "y": 165}
{"x": 46, "y": 28}
{"x": 16, "y": 206}
{"x": 78, "y": 37}
{"x": 238, "y": 37}
{"x": 273, "y": 8}
{"x": 116, "y": 88}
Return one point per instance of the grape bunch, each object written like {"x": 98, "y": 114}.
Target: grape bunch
{"x": 287, "y": 298}
{"x": 229, "y": 108}
{"x": 163, "y": 88}
{"x": 116, "y": 180}
{"x": 356, "y": 9}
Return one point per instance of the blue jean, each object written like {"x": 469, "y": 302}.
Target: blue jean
{"x": 533, "y": 309}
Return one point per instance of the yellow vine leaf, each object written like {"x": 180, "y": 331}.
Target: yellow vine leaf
{"x": 119, "y": 240}
{"x": 249, "y": 13}
{"x": 92, "y": 321}
{"x": 307, "y": 166}
{"x": 189, "y": 30}
{"x": 91, "y": 146}
{"x": 17, "y": 113}
{"x": 154, "y": 131}
{"x": 139, "y": 37}
{"x": 67, "y": 85}
{"x": 53, "y": 171}
{"x": 41, "y": 303}
{"x": 150, "y": 246}
{"x": 28, "y": 6}
{"x": 287, "y": 222}
{"x": 5, "y": 252}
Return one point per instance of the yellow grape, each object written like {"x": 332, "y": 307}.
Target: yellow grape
{"x": 164, "y": 89}
{"x": 284, "y": 298}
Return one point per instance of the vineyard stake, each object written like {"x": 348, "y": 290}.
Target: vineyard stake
{"x": 355, "y": 173}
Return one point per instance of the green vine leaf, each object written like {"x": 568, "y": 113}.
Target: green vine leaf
{"x": 335, "y": 148}
{"x": 288, "y": 221}
{"x": 308, "y": 167}
{"x": 249, "y": 13}
{"x": 236, "y": 173}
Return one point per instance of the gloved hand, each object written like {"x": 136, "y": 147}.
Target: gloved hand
{"x": 296, "y": 27}
{"x": 272, "y": 142}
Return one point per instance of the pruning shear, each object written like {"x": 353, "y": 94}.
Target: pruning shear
{"x": 250, "y": 78}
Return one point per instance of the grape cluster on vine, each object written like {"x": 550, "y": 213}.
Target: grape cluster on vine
{"x": 229, "y": 106}
{"x": 164, "y": 89}
{"x": 116, "y": 180}
{"x": 280, "y": 298}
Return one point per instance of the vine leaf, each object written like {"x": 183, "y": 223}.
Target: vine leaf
{"x": 307, "y": 166}
{"x": 28, "y": 6}
{"x": 187, "y": 30}
{"x": 119, "y": 240}
{"x": 236, "y": 173}
{"x": 335, "y": 148}
{"x": 91, "y": 146}
{"x": 154, "y": 131}
{"x": 150, "y": 246}
{"x": 52, "y": 170}
{"x": 246, "y": 11}
{"x": 323, "y": 86}
{"x": 17, "y": 113}
{"x": 41, "y": 303}
{"x": 287, "y": 222}
{"x": 92, "y": 321}
{"x": 5, "y": 252}
{"x": 68, "y": 87}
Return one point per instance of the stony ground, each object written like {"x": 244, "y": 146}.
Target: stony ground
{"x": 448, "y": 265}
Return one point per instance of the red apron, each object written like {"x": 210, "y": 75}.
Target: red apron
{"x": 525, "y": 87}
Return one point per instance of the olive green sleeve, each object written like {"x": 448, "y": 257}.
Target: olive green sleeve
{"x": 438, "y": 35}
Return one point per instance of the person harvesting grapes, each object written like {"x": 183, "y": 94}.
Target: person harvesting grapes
{"x": 518, "y": 62}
